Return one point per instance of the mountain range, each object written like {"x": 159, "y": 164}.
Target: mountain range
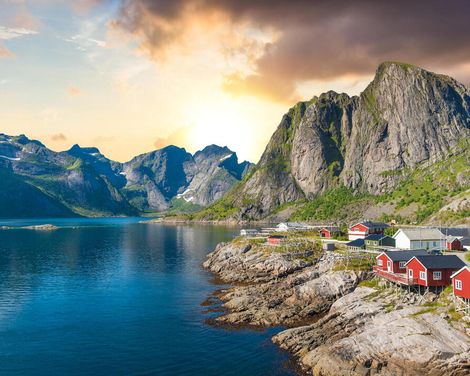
{"x": 39, "y": 182}
{"x": 399, "y": 149}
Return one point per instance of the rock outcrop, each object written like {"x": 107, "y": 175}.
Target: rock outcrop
{"x": 406, "y": 117}
{"x": 359, "y": 337}
{"x": 337, "y": 328}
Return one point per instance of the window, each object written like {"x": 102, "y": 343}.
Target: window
{"x": 379, "y": 262}
{"x": 458, "y": 284}
{"x": 410, "y": 273}
{"x": 437, "y": 276}
{"x": 422, "y": 275}
{"x": 402, "y": 264}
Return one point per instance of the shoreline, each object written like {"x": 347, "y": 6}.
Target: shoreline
{"x": 323, "y": 326}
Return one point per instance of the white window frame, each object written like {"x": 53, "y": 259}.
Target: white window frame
{"x": 389, "y": 266}
{"x": 458, "y": 284}
{"x": 421, "y": 274}
{"x": 402, "y": 264}
{"x": 435, "y": 274}
{"x": 380, "y": 262}
{"x": 410, "y": 273}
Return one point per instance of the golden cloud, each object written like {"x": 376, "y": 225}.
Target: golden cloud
{"x": 73, "y": 91}
{"x": 58, "y": 137}
{"x": 5, "y": 52}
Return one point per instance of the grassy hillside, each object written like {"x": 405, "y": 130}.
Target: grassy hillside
{"x": 420, "y": 196}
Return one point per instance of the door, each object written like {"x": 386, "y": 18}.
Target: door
{"x": 389, "y": 266}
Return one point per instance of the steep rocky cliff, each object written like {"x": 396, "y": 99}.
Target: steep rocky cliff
{"x": 406, "y": 118}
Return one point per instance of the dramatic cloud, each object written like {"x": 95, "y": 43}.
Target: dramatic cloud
{"x": 315, "y": 40}
{"x": 59, "y": 137}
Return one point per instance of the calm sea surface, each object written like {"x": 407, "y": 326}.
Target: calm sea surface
{"x": 116, "y": 297}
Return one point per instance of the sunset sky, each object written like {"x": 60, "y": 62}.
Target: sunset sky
{"x": 134, "y": 75}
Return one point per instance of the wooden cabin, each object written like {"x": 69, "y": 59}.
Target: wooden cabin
{"x": 461, "y": 282}
{"x": 394, "y": 261}
{"x": 377, "y": 241}
{"x": 433, "y": 270}
{"x": 329, "y": 232}
{"x": 276, "y": 239}
{"x": 454, "y": 243}
{"x": 362, "y": 229}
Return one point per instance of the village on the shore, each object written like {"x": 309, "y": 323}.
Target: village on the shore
{"x": 419, "y": 259}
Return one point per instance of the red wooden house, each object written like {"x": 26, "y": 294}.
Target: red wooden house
{"x": 454, "y": 243}
{"x": 329, "y": 232}
{"x": 433, "y": 270}
{"x": 461, "y": 282}
{"x": 362, "y": 229}
{"x": 391, "y": 265}
{"x": 394, "y": 261}
{"x": 276, "y": 239}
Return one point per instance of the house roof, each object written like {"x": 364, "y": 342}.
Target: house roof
{"x": 356, "y": 243}
{"x": 451, "y": 239}
{"x": 421, "y": 233}
{"x": 277, "y": 237}
{"x": 376, "y": 237}
{"x": 404, "y": 255}
{"x": 466, "y": 267}
{"x": 438, "y": 262}
{"x": 370, "y": 224}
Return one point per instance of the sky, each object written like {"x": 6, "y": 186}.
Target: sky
{"x": 131, "y": 76}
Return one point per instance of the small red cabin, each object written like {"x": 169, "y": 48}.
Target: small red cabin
{"x": 276, "y": 239}
{"x": 329, "y": 232}
{"x": 433, "y": 270}
{"x": 394, "y": 261}
{"x": 461, "y": 282}
{"x": 362, "y": 229}
{"x": 454, "y": 244}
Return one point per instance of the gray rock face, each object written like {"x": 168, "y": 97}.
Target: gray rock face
{"x": 154, "y": 179}
{"x": 359, "y": 337}
{"x": 363, "y": 331}
{"x": 406, "y": 117}
{"x": 284, "y": 288}
{"x": 83, "y": 181}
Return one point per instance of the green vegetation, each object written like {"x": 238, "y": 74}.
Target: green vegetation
{"x": 429, "y": 187}
{"x": 360, "y": 262}
{"x": 330, "y": 205}
{"x": 179, "y": 205}
{"x": 75, "y": 165}
{"x": 467, "y": 257}
{"x": 372, "y": 283}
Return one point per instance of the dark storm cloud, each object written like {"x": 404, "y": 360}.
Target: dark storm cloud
{"x": 319, "y": 40}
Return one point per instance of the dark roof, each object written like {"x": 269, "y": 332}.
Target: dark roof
{"x": 404, "y": 255}
{"x": 437, "y": 262}
{"x": 370, "y": 224}
{"x": 277, "y": 236}
{"x": 356, "y": 243}
{"x": 375, "y": 237}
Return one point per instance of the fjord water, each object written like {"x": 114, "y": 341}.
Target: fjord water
{"x": 118, "y": 297}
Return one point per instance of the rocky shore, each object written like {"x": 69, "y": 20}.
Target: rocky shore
{"x": 337, "y": 325}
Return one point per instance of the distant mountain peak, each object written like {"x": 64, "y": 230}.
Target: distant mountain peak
{"x": 83, "y": 150}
